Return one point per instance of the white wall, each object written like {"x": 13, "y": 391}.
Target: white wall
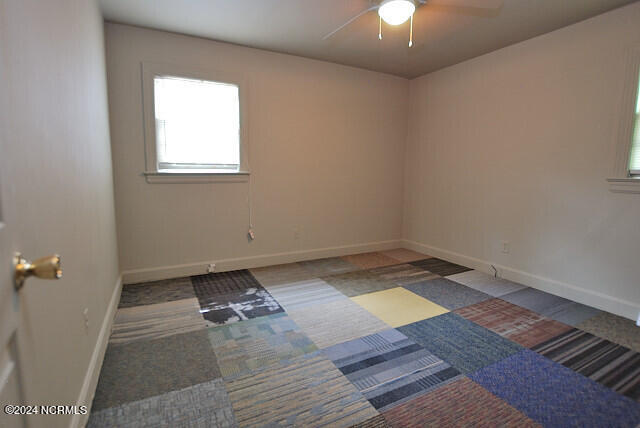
{"x": 326, "y": 146}
{"x": 57, "y": 159}
{"x": 516, "y": 145}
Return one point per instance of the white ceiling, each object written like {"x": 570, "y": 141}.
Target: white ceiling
{"x": 441, "y": 37}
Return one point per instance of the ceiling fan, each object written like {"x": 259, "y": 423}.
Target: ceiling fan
{"x": 397, "y": 12}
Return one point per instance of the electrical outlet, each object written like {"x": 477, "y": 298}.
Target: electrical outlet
{"x": 211, "y": 268}
{"x": 85, "y": 315}
{"x": 505, "y": 247}
{"x": 296, "y": 233}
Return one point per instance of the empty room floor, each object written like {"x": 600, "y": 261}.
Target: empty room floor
{"x": 391, "y": 338}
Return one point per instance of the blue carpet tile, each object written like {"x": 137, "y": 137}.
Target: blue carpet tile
{"x": 605, "y": 362}
{"x": 390, "y": 369}
{"x": 554, "y": 395}
{"x": 463, "y": 344}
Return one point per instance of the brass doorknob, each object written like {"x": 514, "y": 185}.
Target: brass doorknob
{"x": 44, "y": 268}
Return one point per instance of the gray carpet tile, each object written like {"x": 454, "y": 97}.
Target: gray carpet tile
{"x": 489, "y": 284}
{"x": 301, "y": 294}
{"x": 403, "y": 274}
{"x": 147, "y": 293}
{"x": 213, "y": 284}
{"x": 203, "y": 405}
{"x": 463, "y": 344}
{"x": 615, "y": 328}
{"x": 448, "y": 294}
{"x": 403, "y": 255}
{"x": 280, "y": 274}
{"x": 554, "y": 307}
{"x": 440, "y": 267}
{"x": 360, "y": 282}
{"x": 328, "y": 266}
{"x": 142, "y": 369}
{"x": 155, "y": 321}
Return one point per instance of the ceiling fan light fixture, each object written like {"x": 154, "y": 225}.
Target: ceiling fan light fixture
{"x": 396, "y": 12}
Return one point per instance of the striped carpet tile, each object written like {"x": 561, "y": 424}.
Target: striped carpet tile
{"x": 605, "y": 362}
{"x": 554, "y": 395}
{"x": 223, "y": 282}
{"x": 155, "y": 321}
{"x": 513, "y": 322}
{"x": 440, "y": 267}
{"x": 297, "y": 295}
{"x": 460, "y": 403}
{"x": 389, "y": 369}
{"x": 403, "y": 274}
{"x": 148, "y": 293}
{"x": 309, "y": 391}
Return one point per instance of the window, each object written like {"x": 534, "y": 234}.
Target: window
{"x": 193, "y": 125}
{"x": 634, "y": 162}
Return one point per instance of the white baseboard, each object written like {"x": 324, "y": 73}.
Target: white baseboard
{"x": 95, "y": 365}
{"x": 175, "y": 271}
{"x": 568, "y": 291}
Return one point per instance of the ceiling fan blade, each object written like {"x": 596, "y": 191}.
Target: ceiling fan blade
{"x": 350, "y": 21}
{"x": 472, "y": 4}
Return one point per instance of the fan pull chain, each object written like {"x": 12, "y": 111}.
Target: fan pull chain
{"x": 380, "y": 28}
{"x": 411, "y": 32}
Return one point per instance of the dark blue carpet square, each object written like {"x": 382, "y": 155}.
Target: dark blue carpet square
{"x": 554, "y": 395}
{"x": 463, "y": 344}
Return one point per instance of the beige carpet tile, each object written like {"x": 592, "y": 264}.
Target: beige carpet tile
{"x": 615, "y": 328}
{"x": 404, "y": 255}
{"x": 370, "y": 260}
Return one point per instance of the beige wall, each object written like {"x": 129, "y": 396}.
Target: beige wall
{"x": 326, "y": 145}
{"x": 515, "y": 146}
{"x": 58, "y": 187}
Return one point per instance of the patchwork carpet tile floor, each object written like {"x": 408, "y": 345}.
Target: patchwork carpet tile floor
{"x": 448, "y": 294}
{"x": 462, "y": 403}
{"x": 513, "y": 322}
{"x": 398, "y": 306}
{"x": 280, "y": 274}
{"x": 480, "y": 281}
{"x": 336, "y": 322}
{"x": 403, "y": 274}
{"x": 365, "y": 341}
{"x": 614, "y": 328}
{"x": 440, "y": 267}
{"x": 359, "y": 282}
{"x": 246, "y": 347}
{"x": 328, "y": 266}
{"x": 465, "y": 345}
{"x": 608, "y": 363}
{"x": 309, "y": 391}
{"x": 389, "y": 369}
{"x": 370, "y": 260}
{"x": 403, "y": 255}
{"x": 555, "y": 396}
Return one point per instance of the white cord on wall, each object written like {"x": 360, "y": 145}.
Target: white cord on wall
{"x": 250, "y": 234}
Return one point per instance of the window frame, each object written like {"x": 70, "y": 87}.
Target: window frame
{"x": 151, "y": 70}
{"x": 621, "y": 180}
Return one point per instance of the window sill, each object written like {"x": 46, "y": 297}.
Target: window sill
{"x": 196, "y": 177}
{"x": 624, "y": 185}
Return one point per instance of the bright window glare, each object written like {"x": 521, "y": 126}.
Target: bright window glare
{"x": 634, "y": 162}
{"x": 197, "y": 124}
